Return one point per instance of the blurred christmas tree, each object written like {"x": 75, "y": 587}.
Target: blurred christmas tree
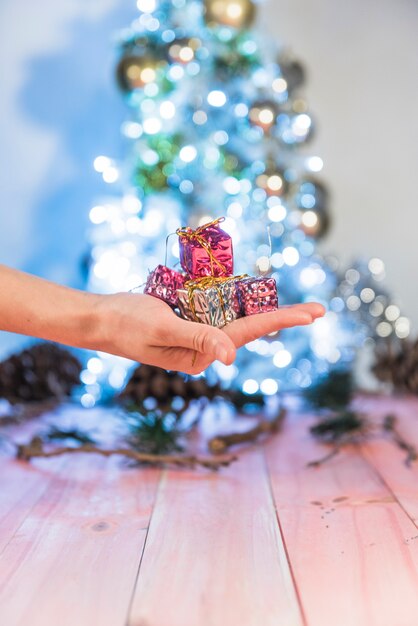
{"x": 217, "y": 126}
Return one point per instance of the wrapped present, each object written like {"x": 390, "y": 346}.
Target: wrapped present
{"x": 210, "y": 300}
{"x": 163, "y": 283}
{"x": 206, "y": 251}
{"x": 257, "y": 295}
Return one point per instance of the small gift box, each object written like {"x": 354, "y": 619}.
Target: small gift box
{"x": 257, "y": 295}
{"x": 163, "y": 283}
{"x": 206, "y": 251}
{"x": 212, "y": 301}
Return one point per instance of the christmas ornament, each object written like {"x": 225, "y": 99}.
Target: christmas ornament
{"x": 237, "y": 57}
{"x": 311, "y": 199}
{"x": 163, "y": 283}
{"x": 183, "y": 50}
{"x": 314, "y": 223}
{"x": 238, "y": 14}
{"x": 257, "y": 295}
{"x": 294, "y": 128}
{"x": 206, "y": 251}
{"x": 292, "y": 71}
{"x": 134, "y": 71}
{"x": 310, "y": 194}
{"x": 156, "y": 166}
{"x": 39, "y": 373}
{"x": 263, "y": 114}
{"x": 273, "y": 182}
{"x": 361, "y": 293}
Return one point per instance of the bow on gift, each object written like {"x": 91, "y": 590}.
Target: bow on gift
{"x": 196, "y": 235}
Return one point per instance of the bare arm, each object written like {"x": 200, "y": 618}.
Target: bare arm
{"x": 33, "y": 306}
{"x": 135, "y": 326}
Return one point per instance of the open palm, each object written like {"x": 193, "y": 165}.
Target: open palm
{"x": 146, "y": 329}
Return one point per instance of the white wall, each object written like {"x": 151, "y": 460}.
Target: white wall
{"x": 362, "y": 61}
{"x": 361, "y": 58}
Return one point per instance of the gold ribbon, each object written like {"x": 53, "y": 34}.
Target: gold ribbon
{"x": 206, "y": 283}
{"x": 196, "y": 235}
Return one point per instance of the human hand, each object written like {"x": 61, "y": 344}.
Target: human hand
{"x": 146, "y": 329}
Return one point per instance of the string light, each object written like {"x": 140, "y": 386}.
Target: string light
{"x": 200, "y": 118}
{"x": 148, "y": 6}
{"x": 98, "y": 214}
{"x": 167, "y": 110}
{"x": 152, "y": 126}
{"x": 282, "y": 358}
{"x": 188, "y": 154}
{"x": 110, "y": 174}
{"x": 101, "y": 163}
{"x": 269, "y": 387}
{"x": 290, "y": 256}
{"x": 250, "y": 386}
{"x": 216, "y": 98}
{"x": 279, "y": 85}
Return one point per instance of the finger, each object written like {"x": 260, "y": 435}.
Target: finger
{"x": 203, "y": 338}
{"x": 247, "y": 329}
{"x": 314, "y": 308}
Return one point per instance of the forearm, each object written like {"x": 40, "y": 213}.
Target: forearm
{"x": 39, "y": 308}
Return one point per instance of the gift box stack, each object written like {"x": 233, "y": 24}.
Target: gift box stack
{"x": 207, "y": 291}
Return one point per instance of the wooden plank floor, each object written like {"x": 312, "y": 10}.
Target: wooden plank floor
{"x": 268, "y": 541}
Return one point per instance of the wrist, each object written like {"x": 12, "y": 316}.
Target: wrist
{"x": 96, "y": 322}
{"x": 106, "y": 322}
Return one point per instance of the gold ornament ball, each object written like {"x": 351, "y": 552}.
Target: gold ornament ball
{"x": 263, "y": 114}
{"x": 134, "y": 72}
{"x": 184, "y": 50}
{"x": 273, "y": 182}
{"x": 315, "y": 224}
{"x": 235, "y": 13}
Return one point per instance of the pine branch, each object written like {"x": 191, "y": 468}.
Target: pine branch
{"x": 325, "y": 458}
{"x": 77, "y": 435}
{"x": 332, "y": 392}
{"x": 221, "y": 443}
{"x": 35, "y": 449}
{"x": 411, "y": 452}
{"x": 338, "y": 430}
{"x": 336, "y": 427}
{"x": 350, "y": 428}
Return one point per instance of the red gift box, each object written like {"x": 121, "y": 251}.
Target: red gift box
{"x": 163, "y": 283}
{"x": 258, "y": 295}
{"x": 206, "y": 251}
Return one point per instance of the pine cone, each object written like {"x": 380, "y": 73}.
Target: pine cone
{"x": 152, "y": 382}
{"x": 39, "y": 373}
{"x": 398, "y": 366}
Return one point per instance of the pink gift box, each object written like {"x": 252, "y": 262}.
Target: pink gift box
{"x": 258, "y": 295}
{"x": 206, "y": 251}
{"x": 163, "y": 283}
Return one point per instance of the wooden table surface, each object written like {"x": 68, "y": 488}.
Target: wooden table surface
{"x": 268, "y": 541}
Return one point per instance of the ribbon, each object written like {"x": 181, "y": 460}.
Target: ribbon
{"x": 196, "y": 235}
{"x": 208, "y": 282}
{"x": 166, "y": 247}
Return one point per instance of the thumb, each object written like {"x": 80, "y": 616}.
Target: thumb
{"x": 205, "y": 339}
